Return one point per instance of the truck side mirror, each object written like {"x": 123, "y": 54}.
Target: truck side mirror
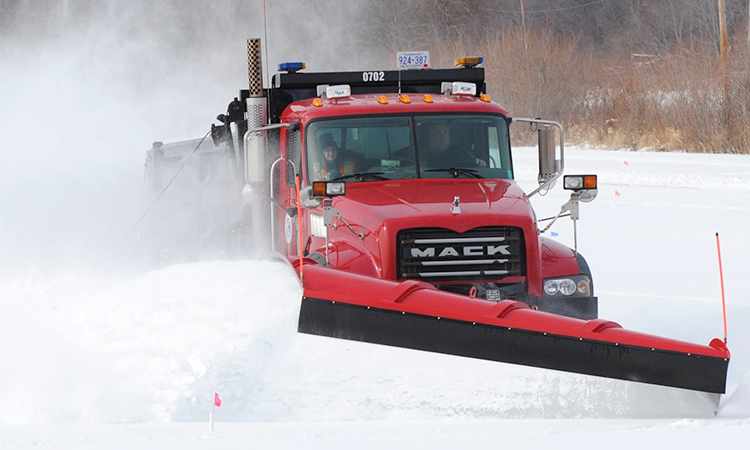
{"x": 549, "y": 166}
{"x": 255, "y": 157}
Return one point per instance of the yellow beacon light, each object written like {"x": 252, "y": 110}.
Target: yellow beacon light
{"x": 469, "y": 61}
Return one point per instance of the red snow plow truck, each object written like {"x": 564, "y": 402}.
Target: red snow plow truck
{"x": 392, "y": 196}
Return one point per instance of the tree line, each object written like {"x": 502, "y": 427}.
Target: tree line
{"x": 620, "y": 73}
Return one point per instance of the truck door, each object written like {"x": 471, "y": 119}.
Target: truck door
{"x": 285, "y": 224}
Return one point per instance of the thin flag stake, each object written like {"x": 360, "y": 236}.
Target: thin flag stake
{"x": 721, "y": 278}
{"x": 214, "y": 404}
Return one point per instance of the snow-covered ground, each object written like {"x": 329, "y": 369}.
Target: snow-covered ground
{"x": 124, "y": 359}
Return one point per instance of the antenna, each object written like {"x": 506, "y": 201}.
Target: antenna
{"x": 265, "y": 42}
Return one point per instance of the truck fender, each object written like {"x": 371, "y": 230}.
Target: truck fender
{"x": 558, "y": 260}
{"x": 346, "y": 256}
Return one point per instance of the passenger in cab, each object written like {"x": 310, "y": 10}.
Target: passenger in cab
{"x": 332, "y": 162}
{"x": 441, "y": 152}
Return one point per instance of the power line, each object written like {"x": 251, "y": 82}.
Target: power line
{"x": 538, "y": 11}
{"x": 566, "y": 8}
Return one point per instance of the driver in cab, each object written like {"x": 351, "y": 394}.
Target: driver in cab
{"x": 331, "y": 163}
{"x": 441, "y": 153}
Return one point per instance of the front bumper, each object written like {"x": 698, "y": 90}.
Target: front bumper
{"x": 586, "y": 308}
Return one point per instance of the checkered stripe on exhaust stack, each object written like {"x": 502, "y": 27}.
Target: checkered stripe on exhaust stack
{"x": 254, "y": 68}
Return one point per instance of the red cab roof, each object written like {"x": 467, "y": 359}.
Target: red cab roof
{"x": 365, "y": 104}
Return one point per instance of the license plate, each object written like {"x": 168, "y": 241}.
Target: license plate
{"x": 493, "y": 295}
{"x": 413, "y": 60}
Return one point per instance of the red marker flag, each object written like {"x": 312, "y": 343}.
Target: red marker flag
{"x": 217, "y": 400}
{"x": 626, "y": 163}
{"x": 617, "y": 193}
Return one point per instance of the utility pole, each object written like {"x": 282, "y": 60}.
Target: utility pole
{"x": 723, "y": 31}
{"x": 533, "y": 111}
{"x": 724, "y": 69}
{"x": 523, "y": 25}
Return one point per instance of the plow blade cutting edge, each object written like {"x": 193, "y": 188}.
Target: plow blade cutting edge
{"x": 413, "y": 314}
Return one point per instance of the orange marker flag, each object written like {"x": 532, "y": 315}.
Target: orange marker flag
{"x": 617, "y": 193}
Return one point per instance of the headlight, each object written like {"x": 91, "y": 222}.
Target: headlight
{"x": 567, "y": 287}
{"x": 575, "y": 286}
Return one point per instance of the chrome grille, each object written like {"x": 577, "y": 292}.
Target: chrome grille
{"x": 436, "y": 254}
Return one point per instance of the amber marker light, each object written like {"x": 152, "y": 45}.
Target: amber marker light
{"x": 319, "y": 188}
{"x": 382, "y": 100}
{"x": 427, "y": 98}
{"x": 404, "y": 98}
{"x": 317, "y": 102}
{"x": 589, "y": 181}
{"x": 485, "y": 98}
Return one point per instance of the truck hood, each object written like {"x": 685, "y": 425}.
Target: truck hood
{"x": 428, "y": 202}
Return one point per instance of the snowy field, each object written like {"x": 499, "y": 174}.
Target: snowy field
{"x": 130, "y": 359}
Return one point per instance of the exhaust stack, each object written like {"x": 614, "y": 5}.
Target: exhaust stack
{"x": 256, "y": 189}
{"x": 255, "y": 142}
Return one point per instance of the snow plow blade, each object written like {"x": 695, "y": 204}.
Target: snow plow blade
{"x": 414, "y": 314}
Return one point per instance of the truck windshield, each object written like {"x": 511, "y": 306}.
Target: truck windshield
{"x": 389, "y": 147}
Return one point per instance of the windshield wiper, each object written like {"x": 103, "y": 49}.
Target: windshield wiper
{"x": 456, "y": 171}
{"x": 378, "y": 176}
